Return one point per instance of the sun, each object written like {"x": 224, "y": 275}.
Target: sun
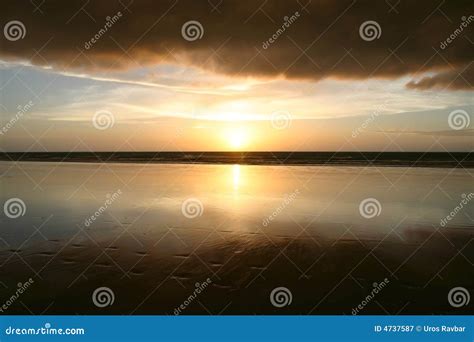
{"x": 237, "y": 137}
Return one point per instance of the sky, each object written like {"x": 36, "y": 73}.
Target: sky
{"x": 237, "y": 75}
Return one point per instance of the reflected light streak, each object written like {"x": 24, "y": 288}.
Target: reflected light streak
{"x": 236, "y": 176}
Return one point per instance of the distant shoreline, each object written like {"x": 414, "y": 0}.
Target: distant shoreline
{"x": 402, "y": 159}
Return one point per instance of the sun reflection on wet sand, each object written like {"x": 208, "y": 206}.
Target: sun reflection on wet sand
{"x": 145, "y": 233}
{"x": 236, "y": 176}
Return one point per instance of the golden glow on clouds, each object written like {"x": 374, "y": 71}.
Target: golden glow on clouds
{"x": 204, "y": 111}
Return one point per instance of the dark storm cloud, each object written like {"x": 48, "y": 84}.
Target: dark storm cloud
{"x": 295, "y": 39}
{"x": 459, "y": 79}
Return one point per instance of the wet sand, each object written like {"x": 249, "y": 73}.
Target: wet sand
{"x": 318, "y": 246}
{"x": 324, "y": 277}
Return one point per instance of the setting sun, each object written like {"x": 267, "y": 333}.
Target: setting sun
{"x": 237, "y": 137}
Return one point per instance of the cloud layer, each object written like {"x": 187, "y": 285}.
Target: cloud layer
{"x": 279, "y": 38}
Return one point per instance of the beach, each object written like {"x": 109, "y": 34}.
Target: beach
{"x": 155, "y": 233}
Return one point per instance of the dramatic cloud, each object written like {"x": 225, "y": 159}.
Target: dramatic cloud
{"x": 279, "y": 38}
{"x": 462, "y": 79}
